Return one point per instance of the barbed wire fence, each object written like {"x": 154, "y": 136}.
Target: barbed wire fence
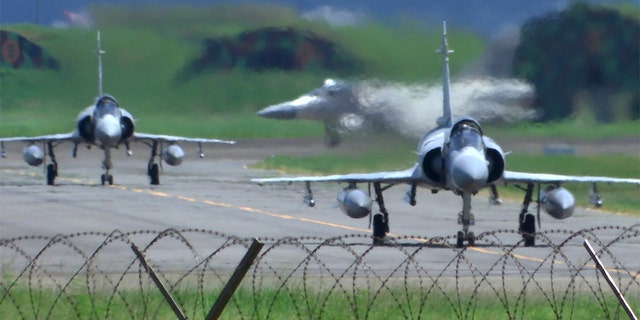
{"x": 96, "y": 275}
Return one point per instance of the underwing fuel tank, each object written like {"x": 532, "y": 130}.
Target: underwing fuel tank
{"x": 557, "y": 202}
{"x": 354, "y": 202}
{"x": 173, "y": 155}
{"x": 33, "y": 155}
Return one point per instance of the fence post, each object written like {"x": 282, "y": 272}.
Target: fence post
{"x": 612, "y": 284}
{"x": 235, "y": 280}
{"x": 174, "y": 306}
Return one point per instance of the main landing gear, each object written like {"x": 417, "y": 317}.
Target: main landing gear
{"x": 380, "y": 221}
{"x": 527, "y": 221}
{"x": 52, "y": 168}
{"x": 153, "y": 168}
{"x": 107, "y": 165}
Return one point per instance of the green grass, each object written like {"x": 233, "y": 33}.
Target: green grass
{"x": 299, "y": 303}
{"x": 143, "y": 62}
{"x": 570, "y": 129}
{"x": 353, "y": 156}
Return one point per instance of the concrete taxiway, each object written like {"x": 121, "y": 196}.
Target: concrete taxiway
{"x": 215, "y": 194}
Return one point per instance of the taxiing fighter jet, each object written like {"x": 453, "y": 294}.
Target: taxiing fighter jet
{"x": 454, "y": 156}
{"x": 106, "y": 126}
{"x": 333, "y": 103}
{"x": 373, "y": 106}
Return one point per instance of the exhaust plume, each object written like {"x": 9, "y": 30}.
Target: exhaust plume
{"x": 411, "y": 110}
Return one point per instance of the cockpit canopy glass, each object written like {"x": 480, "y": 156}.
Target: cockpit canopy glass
{"x": 465, "y": 135}
{"x": 106, "y": 105}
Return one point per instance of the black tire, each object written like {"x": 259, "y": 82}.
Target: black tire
{"x": 110, "y": 179}
{"x": 379, "y": 229}
{"x": 471, "y": 238}
{"x": 331, "y": 138}
{"x": 154, "y": 174}
{"x": 103, "y": 179}
{"x": 529, "y": 230}
{"x": 460, "y": 239}
{"x": 51, "y": 174}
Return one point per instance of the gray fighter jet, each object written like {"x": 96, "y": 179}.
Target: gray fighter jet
{"x": 375, "y": 106}
{"x": 106, "y": 126}
{"x": 454, "y": 156}
{"x": 333, "y": 103}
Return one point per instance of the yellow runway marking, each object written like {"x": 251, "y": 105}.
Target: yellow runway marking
{"x": 186, "y": 198}
{"x": 485, "y": 251}
{"x": 281, "y": 216}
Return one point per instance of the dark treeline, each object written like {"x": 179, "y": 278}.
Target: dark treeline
{"x": 583, "y": 57}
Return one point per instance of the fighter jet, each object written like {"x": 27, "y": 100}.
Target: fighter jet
{"x": 334, "y": 103}
{"x": 346, "y": 107}
{"x": 106, "y": 126}
{"x": 454, "y": 156}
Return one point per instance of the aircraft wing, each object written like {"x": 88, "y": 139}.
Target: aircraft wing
{"x": 405, "y": 176}
{"x": 52, "y": 137}
{"x": 165, "y": 138}
{"x": 511, "y": 177}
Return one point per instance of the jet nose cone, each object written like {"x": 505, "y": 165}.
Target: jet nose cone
{"x": 108, "y": 131}
{"x": 283, "y": 111}
{"x": 469, "y": 172}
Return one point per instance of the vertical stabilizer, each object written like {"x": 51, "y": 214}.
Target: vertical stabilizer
{"x": 445, "y": 120}
{"x": 99, "y": 52}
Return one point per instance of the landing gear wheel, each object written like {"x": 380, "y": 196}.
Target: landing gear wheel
{"x": 471, "y": 239}
{"x": 332, "y": 140}
{"x": 528, "y": 230}
{"x": 106, "y": 178}
{"x": 51, "y": 174}
{"x": 154, "y": 174}
{"x": 462, "y": 237}
{"x": 380, "y": 228}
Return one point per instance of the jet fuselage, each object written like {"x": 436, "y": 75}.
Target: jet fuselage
{"x": 105, "y": 124}
{"x": 459, "y": 158}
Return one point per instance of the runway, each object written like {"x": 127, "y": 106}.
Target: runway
{"x": 215, "y": 194}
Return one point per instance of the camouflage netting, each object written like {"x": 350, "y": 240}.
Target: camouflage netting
{"x": 583, "y": 55}
{"x": 19, "y": 52}
{"x": 273, "y": 48}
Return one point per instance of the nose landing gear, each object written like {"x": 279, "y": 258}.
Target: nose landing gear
{"x": 466, "y": 219}
{"x": 107, "y": 165}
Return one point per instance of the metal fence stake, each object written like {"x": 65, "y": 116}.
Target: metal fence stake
{"x": 172, "y": 303}
{"x": 235, "y": 280}
{"x": 612, "y": 284}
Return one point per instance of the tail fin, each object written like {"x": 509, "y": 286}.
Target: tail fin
{"x": 99, "y": 53}
{"x": 445, "y": 120}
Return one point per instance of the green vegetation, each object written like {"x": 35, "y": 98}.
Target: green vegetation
{"x": 587, "y": 130}
{"x": 584, "y": 57}
{"x": 299, "y": 303}
{"x": 143, "y": 61}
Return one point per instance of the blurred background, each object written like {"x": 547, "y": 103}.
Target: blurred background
{"x": 514, "y": 61}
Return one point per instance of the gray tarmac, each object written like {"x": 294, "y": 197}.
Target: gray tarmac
{"x": 215, "y": 194}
